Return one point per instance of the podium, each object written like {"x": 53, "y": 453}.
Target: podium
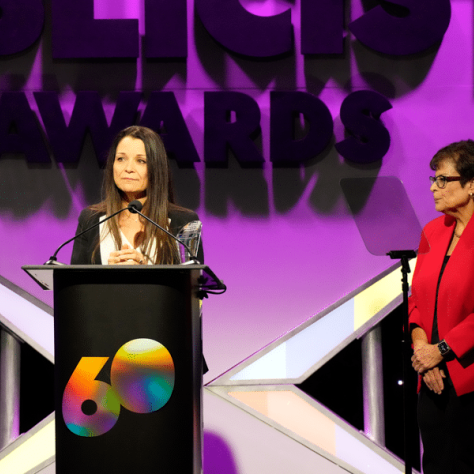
{"x": 128, "y": 367}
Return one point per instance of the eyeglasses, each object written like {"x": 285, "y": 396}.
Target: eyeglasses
{"x": 441, "y": 181}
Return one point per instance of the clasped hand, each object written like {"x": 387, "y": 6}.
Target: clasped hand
{"x": 433, "y": 379}
{"x": 425, "y": 359}
{"x": 126, "y": 256}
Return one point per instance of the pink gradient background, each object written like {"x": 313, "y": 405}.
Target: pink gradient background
{"x": 280, "y": 266}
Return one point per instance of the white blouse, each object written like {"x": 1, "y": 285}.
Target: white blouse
{"x": 107, "y": 244}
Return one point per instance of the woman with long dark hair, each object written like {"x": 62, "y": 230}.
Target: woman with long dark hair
{"x": 137, "y": 169}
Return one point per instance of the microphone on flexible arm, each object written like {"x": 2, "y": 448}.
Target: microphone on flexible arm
{"x": 213, "y": 286}
{"x": 136, "y": 206}
{"x": 53, "y": 260}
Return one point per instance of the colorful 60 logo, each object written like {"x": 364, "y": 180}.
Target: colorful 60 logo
{"x": 142, "y": 380}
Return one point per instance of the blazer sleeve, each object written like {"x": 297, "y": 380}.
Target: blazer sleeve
{"x": 460, "y": 337}
{"x": 84, "y": 245}
{"x": 414, "y": 315}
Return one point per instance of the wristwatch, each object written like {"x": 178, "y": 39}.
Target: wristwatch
{"x": 443, "y": 348}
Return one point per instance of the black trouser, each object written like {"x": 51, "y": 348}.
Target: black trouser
{"x": 446, "y": 424}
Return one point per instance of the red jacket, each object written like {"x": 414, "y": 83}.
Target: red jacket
{"x": 455, "y": 297}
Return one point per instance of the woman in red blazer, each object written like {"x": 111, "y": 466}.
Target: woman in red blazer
{"x": 442, "y": 316}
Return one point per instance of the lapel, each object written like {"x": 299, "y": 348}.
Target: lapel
{"x": 455, "y": 291}
{"x": 438, "y": 242}
{"x": 466, "y": 242}
{"x": 437, "y": 234}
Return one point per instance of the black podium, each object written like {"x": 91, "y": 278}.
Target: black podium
{"x": 128, "y": 367}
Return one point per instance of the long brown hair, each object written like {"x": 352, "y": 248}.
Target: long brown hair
{"x": 159, "y": 196}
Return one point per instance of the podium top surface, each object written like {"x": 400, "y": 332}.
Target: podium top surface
{"x": 43, "y": 274}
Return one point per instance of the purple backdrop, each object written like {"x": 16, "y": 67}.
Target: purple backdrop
{"x": 280, "y": 237}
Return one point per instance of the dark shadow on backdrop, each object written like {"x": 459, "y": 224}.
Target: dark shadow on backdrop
{"x": 405, "y": 72}
{"x": 261, "y": 71}
{"x": 210, "y": 53}
{"x": 26, "y": 187}
{"x": 392, "y": 76}
{"x": 107, "y": 76}
{"x": 329, "y": 168}
{"x": 187, "y": 186}
{"x": 86, "y": 175}
{"x": 320, "y": 68}
{"x": 156, "y": 73}
{"x": 281, "y": 70}
{"x": 327, "y": 191}
{"x": 289, "y": 183}
{"x": 217, "y": 455}
{"x": 245, "y": 188}
{"x": 15, "y": 69}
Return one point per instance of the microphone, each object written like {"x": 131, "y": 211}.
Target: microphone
{"x": 207, "y": 288}
{"x": 136, "y": 206}
{"x": 53, "y": 260}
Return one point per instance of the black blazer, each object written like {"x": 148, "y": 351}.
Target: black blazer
{"x": 85, "y": 244}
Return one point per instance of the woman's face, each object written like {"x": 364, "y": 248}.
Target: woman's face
{"x": 130, "y": 168}
{"x": 453, "y": 197}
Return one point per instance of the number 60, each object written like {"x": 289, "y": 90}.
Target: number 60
{"x": 142, "y": 380}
